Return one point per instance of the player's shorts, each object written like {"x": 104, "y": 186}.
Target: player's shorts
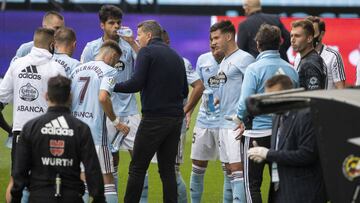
{"x": 133, "y": 123}
{"x": 181, "y": 149}
{"x": 205, "y": 144}
{"x": 105, "y": 159}
{"x": 229, "y": 147}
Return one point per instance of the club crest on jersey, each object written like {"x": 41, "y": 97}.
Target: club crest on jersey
{"x": 57, "y": 147}
{"x": 28, "y": 92}
{"x": 30, "y": 72}
{"x": 120, "y": 65}
{"x": 222, "y": 77}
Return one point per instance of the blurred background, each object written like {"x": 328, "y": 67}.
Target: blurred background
{"x": 187, "y": 21}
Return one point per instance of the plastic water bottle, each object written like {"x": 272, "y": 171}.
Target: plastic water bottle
{"x": 212, "y": 111}
{"x": 118, "y": 140}
{"x": 125, "y": 32}
{"x": 9, "y": 140}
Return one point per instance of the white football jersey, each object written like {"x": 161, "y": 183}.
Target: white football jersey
{"x": 87, "y": 81}
{"x": 25, "y": 85}
{"x": 68, "y": 63}
{"x": 231, "y": 74}
{"x": 124, "y": 103}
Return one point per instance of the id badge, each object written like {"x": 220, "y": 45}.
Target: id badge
{"x": 274, "y": 173}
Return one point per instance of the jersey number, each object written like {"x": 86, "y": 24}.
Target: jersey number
{"x": 86, "y": 80}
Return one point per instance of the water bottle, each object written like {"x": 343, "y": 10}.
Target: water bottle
{"x": 118, "y": 140}
{"x": 125, "y": 32}
{"x": 211, "y": 110}
{"x": 9, "y": 140}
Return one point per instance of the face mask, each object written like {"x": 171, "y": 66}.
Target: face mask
{"x": 316, "y": 41}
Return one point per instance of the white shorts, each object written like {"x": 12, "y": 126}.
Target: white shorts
{"x": 133, "y": 123}
{"x": 229, "y": 147}
{"x": 181, "y": 149}
{"x": 105, "y": 159}
{"x": 205, "y": 144}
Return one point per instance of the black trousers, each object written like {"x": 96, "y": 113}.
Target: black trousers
{"x": 160, "y": 135}
{"x": 16, "y": 137}
{"x": 47, "y": 195}
{"x": 253, "y": 172}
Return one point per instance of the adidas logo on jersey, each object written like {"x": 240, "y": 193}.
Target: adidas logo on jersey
{"x": 30, "y": 72}
{"x": 57, "y": 126}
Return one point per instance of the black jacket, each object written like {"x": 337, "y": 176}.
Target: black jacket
{"x": 250, "y": 26}
{"x": 312, "y": 71}
{"x": 56, "y": 143}
{"x": 297, "y": 158}
{"x": 160, "y": 76}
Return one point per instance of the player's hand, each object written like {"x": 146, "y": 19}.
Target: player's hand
{"x": 257, "y": 153}
{"x": 123, "y": 128}
{"x": 240, "y": 126}
{"x": 216, "y": 101}
{"x": 130, "y": 39}
{"x": 188, "y": 119}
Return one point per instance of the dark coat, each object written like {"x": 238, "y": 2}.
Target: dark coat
{"x": 297, "y": 159}
{"x": 250, "y": 26}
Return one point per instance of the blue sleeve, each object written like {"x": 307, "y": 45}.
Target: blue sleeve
{"x": 248, "y": 88}
{"x": 198, "y": 69}
{"x": 138, "y": 79}
{"x": 246, "y": 61}
{"x": 191, "y": 75}
{"x": 87, "y": 54}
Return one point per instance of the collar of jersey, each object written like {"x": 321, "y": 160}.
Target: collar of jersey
{"x": 268, "y": 53}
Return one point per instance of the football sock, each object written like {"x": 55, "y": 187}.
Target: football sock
{"x": 238, "y": 187}
{"x": 197, "y": 183}
{"x": 86, "y": 194}
{"x": 182, "y": 197}
{"x": 144, "y": 194}
{"x": 110, "y": 193}
{"x": 227, "y": 191}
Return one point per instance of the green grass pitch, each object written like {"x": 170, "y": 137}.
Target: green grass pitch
{"x": 213, "y": 176}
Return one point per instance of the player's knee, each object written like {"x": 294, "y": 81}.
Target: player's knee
{"x": 108, "y": 178}
{"x": 236, "y": 167}
{"x": 200, "y": 163}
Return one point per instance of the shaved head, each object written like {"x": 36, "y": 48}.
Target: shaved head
{"x": 65, "y": 36}
{"x": 251, "y": 6}
{"x": 53, "y": 20}
{"x": 44, "y": 38}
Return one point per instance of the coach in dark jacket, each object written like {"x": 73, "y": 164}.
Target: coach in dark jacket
{"x": 249, "y": 27}
{"x": 161, "y": 79}
{"x": 296, "y": 170}
{"x": 52, "y": 146}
